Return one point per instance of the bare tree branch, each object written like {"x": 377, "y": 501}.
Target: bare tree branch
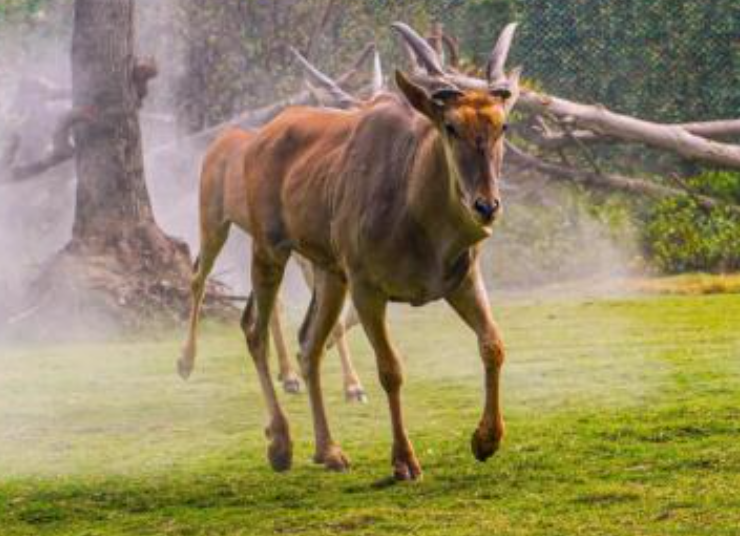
{"x": 344, "y": 99}
{"x": 584, "y": 149}
{"x": 61, "y": 149}
{"x": 8, "y": 156}
{"x": 607, "y": 181}
{"x": 602, "y": 121}
{"x": 723, "y": 128}
{"x": 319, "y": 28}
{"x": 255, "y": 117}
{"x": 708, "y": 129}
{"x": 36, "y": 88}
{"x": 441, "y": 42}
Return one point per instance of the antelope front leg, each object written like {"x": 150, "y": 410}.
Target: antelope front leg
{"x": 326, "y": 305}
{"x": 470, "y": 301}
{"x": 266, "y": 278}
{"x": 371, "y": 308}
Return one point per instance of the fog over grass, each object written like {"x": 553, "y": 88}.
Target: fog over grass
{"x": 36, "y": 217}
{"x": 621, "y": 419}
{"x": 119, "y": 406}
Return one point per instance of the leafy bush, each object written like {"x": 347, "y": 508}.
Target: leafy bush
{"x": 724, "y": 185}
{"x": 682, "y": 236}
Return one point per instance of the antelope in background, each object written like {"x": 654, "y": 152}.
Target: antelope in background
{"x": 389, "y": 201}
{"x": 222, "y": 202}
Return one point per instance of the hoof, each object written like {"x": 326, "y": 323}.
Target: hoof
{"x": 355, "y": 393}
{"x": 280, "y": 454}
{"x": 484, "y": 444}
{"x": 292, "y": 386}
{"x": 280, "y": 451}
{"x": 333, "y": 459}
{"x": 407, "y": 471}
{"x": 405, "y": 465}
{"x": 184, "y": 368}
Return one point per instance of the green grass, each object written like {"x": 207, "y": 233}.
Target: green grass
{"x": 694, "y": 283}
{"x": 623, "y": 418}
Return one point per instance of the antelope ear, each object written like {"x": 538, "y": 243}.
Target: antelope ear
{"x": 416, "y": 96}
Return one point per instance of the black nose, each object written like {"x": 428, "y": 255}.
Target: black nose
{"x": 486, "y": 209}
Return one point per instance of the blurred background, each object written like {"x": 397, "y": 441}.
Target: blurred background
{"x": 669, "y": 62}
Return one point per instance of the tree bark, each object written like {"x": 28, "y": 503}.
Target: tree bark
{"x": 111, "y": 194}
{"x": 119, "y": 265}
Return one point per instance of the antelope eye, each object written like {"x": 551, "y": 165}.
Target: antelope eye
{"x": 451, "y": 131}
{"x": 505, "y": 127}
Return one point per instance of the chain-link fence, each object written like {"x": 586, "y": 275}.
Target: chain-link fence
{"x": 675, "y": 60}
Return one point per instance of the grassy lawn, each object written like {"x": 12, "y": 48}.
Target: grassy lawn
{"x": 623, "y": 418}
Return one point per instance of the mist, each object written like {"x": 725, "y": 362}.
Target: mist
{"x": 36, "y": 215}
{"x": 35, "y": 222}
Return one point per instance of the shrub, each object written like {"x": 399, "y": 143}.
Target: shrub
{"x": 681, "y": 236}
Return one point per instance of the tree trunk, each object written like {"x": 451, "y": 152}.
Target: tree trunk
{"x": 111, "y": 193}
{"x": 120, "y": 270}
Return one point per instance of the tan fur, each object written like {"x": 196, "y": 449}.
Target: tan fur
{"x": 385, "y": 202}
{"x": 222, "y": 202}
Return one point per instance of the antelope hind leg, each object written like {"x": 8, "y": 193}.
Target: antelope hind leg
{"x": 353, "y": 389}
{"x": 211, "y": 244}
{"x": 286, "y": 375}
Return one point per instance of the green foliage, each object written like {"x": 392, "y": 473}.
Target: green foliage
{"x": 724, "y": 185}
{"x": 682, "y": 236}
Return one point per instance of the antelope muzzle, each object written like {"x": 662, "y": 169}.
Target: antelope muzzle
{"x": 487, "y": 209}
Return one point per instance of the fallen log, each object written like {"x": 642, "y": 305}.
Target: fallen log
{"x": 708, "y": 129}
{"x": 599, "y": 119}
{"x": 608, "y": 181}
{"x": 722, "y": 128}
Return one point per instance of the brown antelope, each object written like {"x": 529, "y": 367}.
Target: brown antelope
{"x": 390, "y": 201}
{"x": 222, "y": 203}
